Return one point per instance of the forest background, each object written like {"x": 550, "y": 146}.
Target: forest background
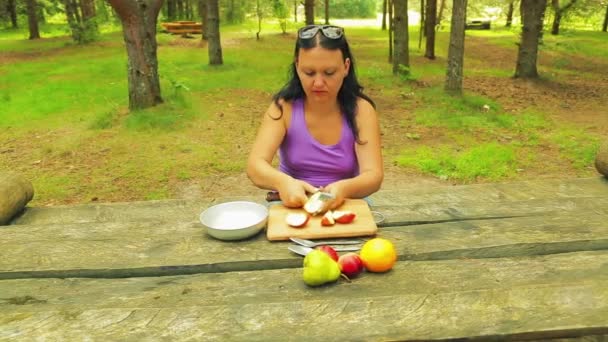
{"x": 65, "y": 121}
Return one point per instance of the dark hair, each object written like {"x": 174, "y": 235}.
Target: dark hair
{"x": 350, "y": 90}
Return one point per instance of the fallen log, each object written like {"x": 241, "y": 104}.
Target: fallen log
{"x": 15, "y": 193}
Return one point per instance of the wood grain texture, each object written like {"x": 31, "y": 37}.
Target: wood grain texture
{"x": 148, "y": 249}
{"x": 363, "y": 225}
{"x": 553, "y": 296}
{"x": 496, "y": 192}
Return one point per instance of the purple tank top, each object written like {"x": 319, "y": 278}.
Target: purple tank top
{"x": 304, "y": 158}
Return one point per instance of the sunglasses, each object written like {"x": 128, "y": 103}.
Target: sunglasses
{"x": 329, "y": 31}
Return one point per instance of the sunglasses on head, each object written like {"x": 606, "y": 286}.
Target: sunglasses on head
{"x": 329, "y": 31}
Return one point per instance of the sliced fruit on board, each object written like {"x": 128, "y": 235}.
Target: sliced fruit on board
{"x": 297, "y": 220}
{"x": 328, "y": 219}
{"x": 344, "y": 216}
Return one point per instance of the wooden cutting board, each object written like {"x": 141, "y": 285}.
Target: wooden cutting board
{"x": 363, "y": 225}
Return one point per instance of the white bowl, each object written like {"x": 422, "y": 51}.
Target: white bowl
{"x": 234, "y": 220}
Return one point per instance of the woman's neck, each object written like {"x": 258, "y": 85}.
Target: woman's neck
{"x": 321, "y": 108}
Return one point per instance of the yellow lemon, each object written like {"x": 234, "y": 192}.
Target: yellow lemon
{"x": 378, "y": 255}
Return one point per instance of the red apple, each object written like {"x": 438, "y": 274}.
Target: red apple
{"x": 350, "y": 264}
{"x": 297, "y": 220}
{"x": 344, "y": 216}
{"x": 329, "y": 251}
{"x": 328, "y": 219}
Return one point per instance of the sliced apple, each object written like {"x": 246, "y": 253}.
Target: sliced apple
{"x": 344, "y": 216}
{"x": 297, "y": 220}
{"x": 328, "y": 219}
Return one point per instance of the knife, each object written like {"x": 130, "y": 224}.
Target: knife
{"x": 301, "y": 250}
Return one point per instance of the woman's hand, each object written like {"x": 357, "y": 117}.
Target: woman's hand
{"x": 336, "y": 189}
{"x": 293, "y": 192}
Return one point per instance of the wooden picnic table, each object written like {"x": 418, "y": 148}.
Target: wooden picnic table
{"x": 523, "y": 260}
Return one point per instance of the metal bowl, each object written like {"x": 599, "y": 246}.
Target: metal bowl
{"x": 234, "y": 220}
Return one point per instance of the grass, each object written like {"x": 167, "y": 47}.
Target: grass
{"x": 65, "y": 107}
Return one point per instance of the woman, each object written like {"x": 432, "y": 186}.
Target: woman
{"x": 325, "y": 129}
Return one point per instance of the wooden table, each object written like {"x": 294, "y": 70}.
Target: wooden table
{"x": 526, "y": 260}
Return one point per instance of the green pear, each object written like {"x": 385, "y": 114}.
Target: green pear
{"x": 320, "y": 268}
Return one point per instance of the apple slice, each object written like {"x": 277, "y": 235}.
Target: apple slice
{"x": 328, "y": 219}
{"x": 345, "y": 216}
{"x": 297, "y": 220}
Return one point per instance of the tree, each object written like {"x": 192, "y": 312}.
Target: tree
{"x": 213, "y": 33}
{"x": 384, "y": 9}
{"x": 202, "y": 12}
{"x": 11, "y": 10}
{"x": 429, "y": 28}
{"x": 453, "y": 81}
{"x": 559, "y": 13}
{"x": 440, "y": 14}
{"x": 81, "y": 19}
{"x": 605, "y": 25}
{"x": 309, "y": 12}
{"x": 32, "y": 19}
{"x": 532, "y": 15}
{"x": 391, "y": 28}
{"x": 326, "y": 12}
{"x": 510, "y": 11}
{"x": 280, "y": 11}
{"x": 401, "y": 58}
{"x": 138, "y": 19}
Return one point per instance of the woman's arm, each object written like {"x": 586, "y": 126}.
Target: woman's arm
{"x": 259, "y": 169}
{"x": 369, "y": 156}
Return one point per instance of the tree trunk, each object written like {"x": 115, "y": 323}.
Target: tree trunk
{"x": 440, "y": 15}
{"x": 172, "y": 9}
{"x": 401, "y": 62}
{"x": 213, "y": 33}
{"x": 384, "y": 9}
{"x": 559, "y": 13}
{"x": 12, "y": 12}
{"x": 88, "y": 18}
{"x": 391, "y": 28}
{"x": 532, "y": 13}
{"x": 429, "y": 28}
{"x": 510, "y": 13}
{"x": 556, "y": 21}
{"x": 258, "y": 12}
{"x": 295, "y": 11}
{"x": 605, "y": 25}
{"x": 138, "y": 19}
{"x": 32, "y": 19}
{"x": 421, "y": 31}
{"x": 202, "y": 7}
{"x": 309, "y": 12}
{"x": 326, "y": 12}
{"x": 180, "y": 10}
{"x": 453, "y": 81}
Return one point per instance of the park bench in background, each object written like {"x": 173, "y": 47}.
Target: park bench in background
{"x": 183, "y": 27}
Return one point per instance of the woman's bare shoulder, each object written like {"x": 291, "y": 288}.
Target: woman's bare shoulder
{"x": 364, "y": 107}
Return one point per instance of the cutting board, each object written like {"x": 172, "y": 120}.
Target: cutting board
{"x": 363, "y": 225}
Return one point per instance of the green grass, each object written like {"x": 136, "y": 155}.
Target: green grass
{"x": 462, "y": 113}
{"x": 576, "y": 145}
{"x": 487, "y": 161}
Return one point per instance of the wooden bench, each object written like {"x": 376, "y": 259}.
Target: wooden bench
{"x": 183, "y": 27}
{"x": 525, "y": 260}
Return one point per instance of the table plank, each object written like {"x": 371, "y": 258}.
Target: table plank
{"x": 415, "y": 205}
{"x": 561, "y": 295}
{"x": 496, "y": 192}
{"x": 144, "y": 249}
